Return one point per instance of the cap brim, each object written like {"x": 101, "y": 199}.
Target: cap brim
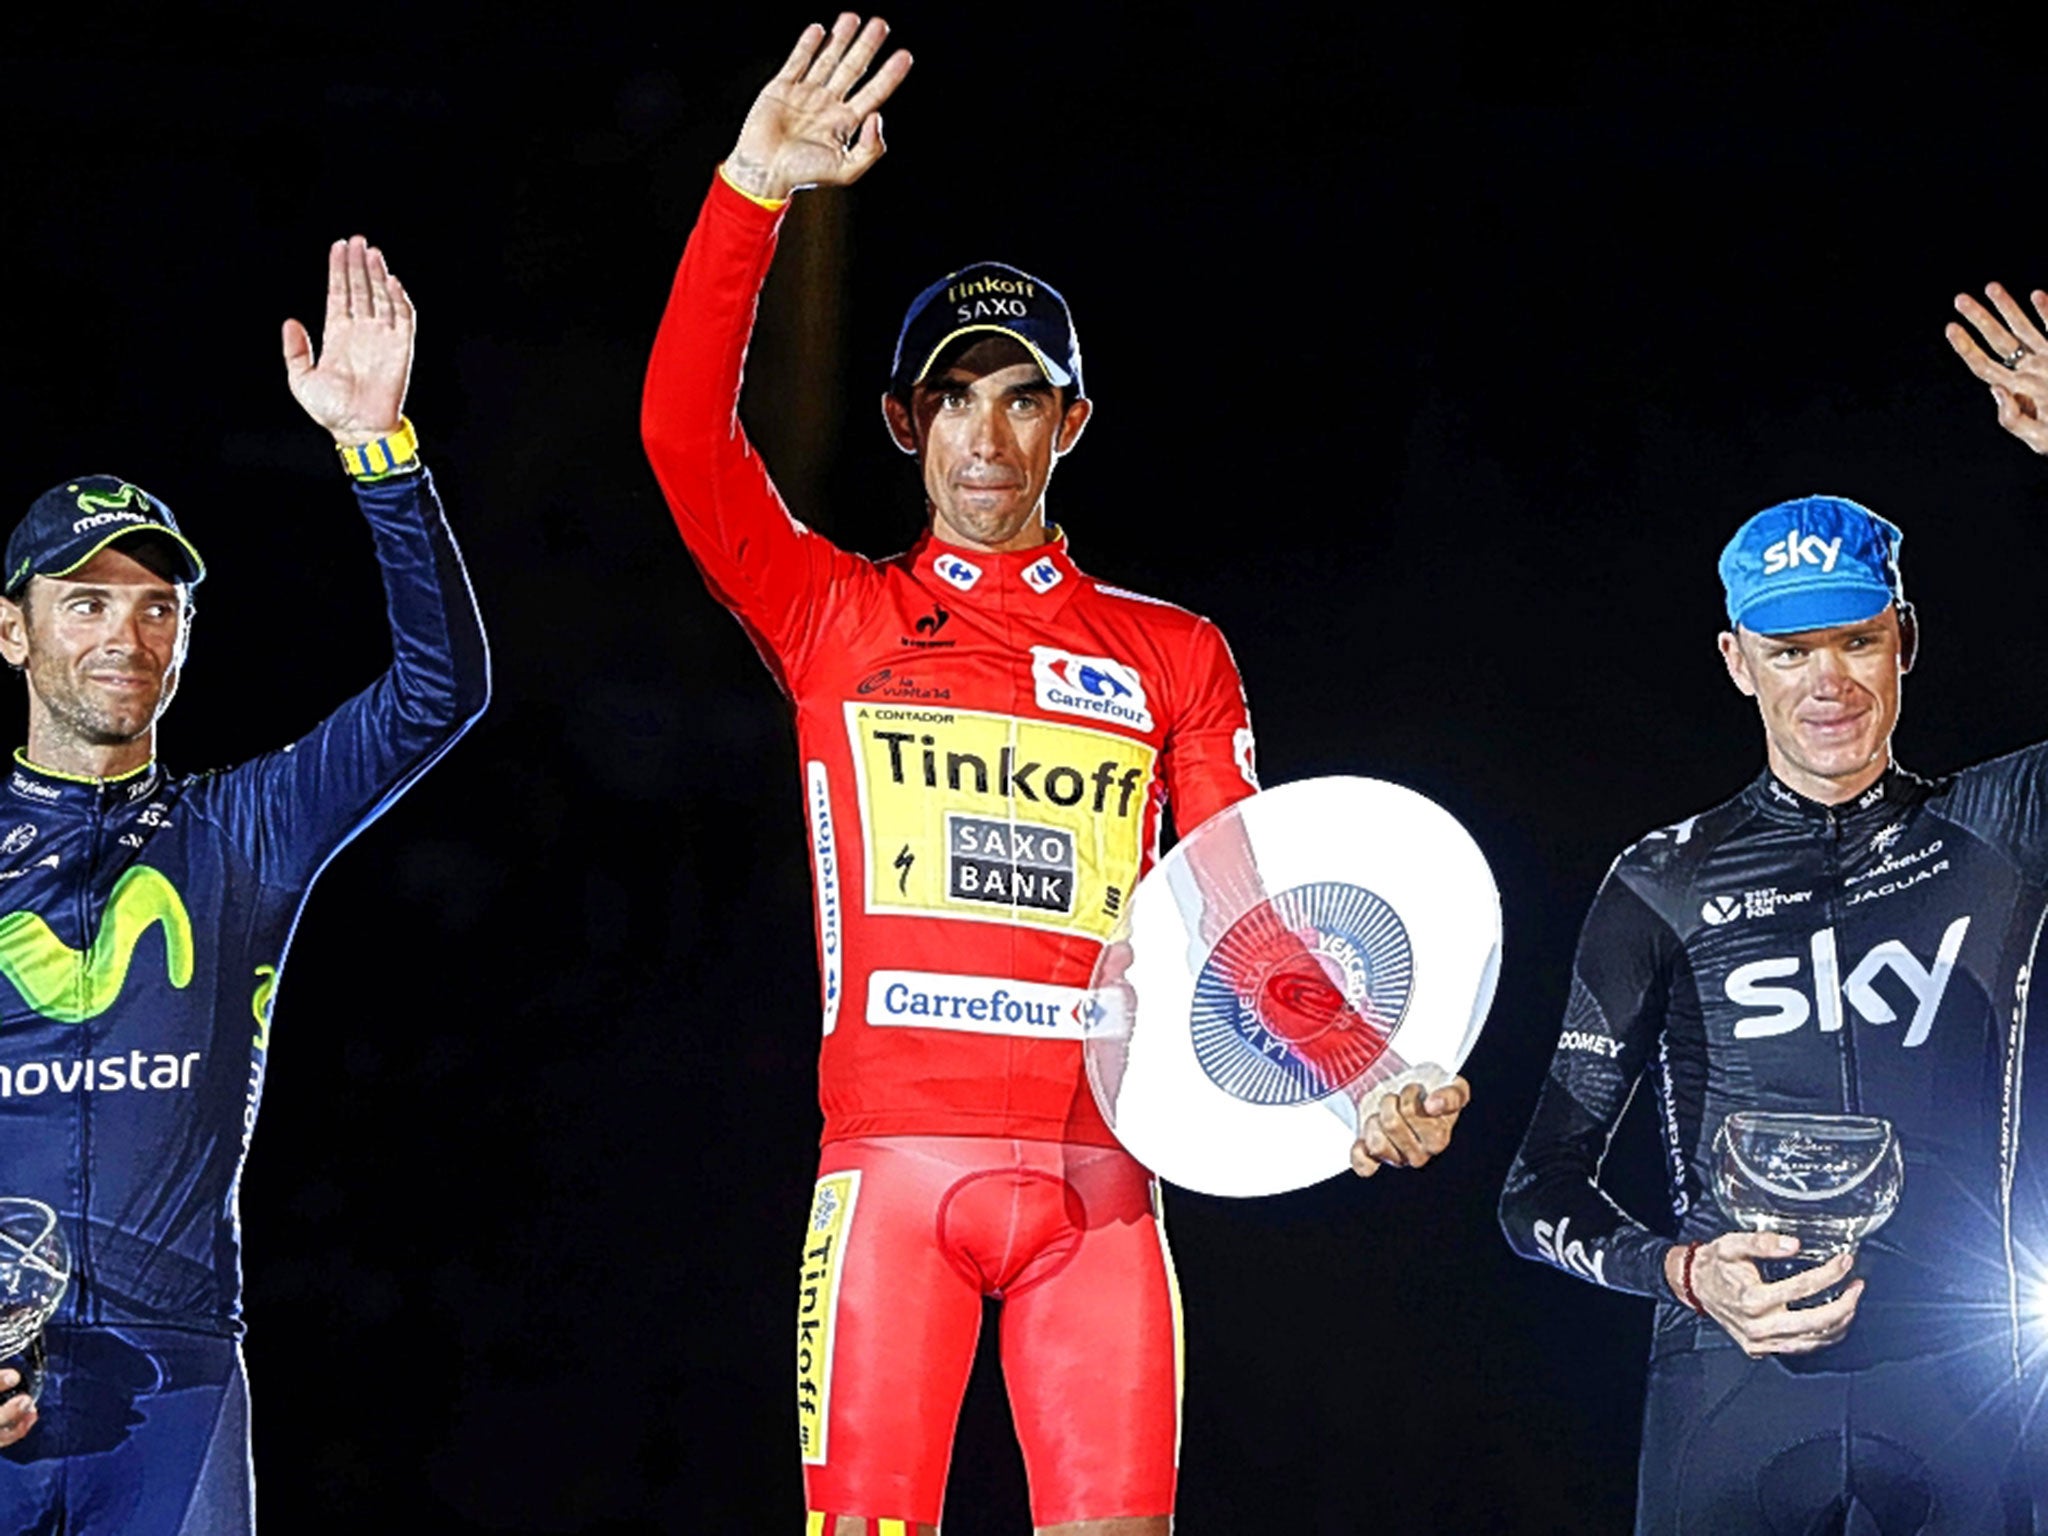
{"x": 1057, "y": 376}
{"x": 1821, "y": 606}
{"x": 192, "y": 575}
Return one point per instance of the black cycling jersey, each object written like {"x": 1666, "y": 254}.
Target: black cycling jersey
{"x": 1778, "y": 954}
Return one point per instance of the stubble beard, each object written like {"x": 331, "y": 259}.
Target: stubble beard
{"x": 84, "y": 720}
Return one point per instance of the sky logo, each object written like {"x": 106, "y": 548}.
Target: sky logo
{"x": 1794, "y": 550}
{"x": 1791, "y": 1007}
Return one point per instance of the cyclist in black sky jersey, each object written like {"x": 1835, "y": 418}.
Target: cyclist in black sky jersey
{"x": 1842, "y": 936}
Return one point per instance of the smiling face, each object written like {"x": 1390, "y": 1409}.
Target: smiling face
{"x": 987, "y": 429}
{"x": 1829, "y": 699}
{"x": 100, "y": 649}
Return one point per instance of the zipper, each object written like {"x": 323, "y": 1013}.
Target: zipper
{"x": 1852, "y": 1092}
{"x": 86, "y": 929}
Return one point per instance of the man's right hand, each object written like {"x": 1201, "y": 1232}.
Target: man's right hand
{"x": 18, "y": 1413}
{"x": 1758, "y": 1313}
{"x": 805, "y": 129}
{"x": 2016, "y": 366}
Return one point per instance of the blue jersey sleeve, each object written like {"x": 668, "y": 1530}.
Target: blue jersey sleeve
{"x": 290, "y": 810}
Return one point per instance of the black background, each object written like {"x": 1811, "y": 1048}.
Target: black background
{"x": 1434, "y": 356}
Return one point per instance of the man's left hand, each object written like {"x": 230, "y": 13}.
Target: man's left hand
{"x": 2018, "y": 373}
{"x": 357, "y": 388}
{"x": 1410, "y": 1127}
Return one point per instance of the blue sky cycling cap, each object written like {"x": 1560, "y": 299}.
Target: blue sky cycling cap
{"x": 1811, "y": 564}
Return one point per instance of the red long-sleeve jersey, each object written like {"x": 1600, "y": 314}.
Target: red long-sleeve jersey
{"x": 988, "y": 744}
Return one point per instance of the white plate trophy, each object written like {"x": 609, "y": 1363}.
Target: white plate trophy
{"x": 35, "y": 1269}
{"x": 1302, "y": 953}
{"x": 1828, "y": 1180}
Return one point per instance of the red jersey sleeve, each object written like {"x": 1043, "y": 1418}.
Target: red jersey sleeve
{"x": 774, "y": 573}
{"x": 1208, "y": 758}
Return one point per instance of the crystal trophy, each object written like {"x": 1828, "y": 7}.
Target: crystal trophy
{"x": 35, "y": 1269}
{"x": 1828, "y": 1180}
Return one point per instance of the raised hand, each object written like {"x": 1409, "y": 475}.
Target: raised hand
{"x": 809, "y": 127}
{"x": 357, "y": 387}
{"x": 2017, "y": 369}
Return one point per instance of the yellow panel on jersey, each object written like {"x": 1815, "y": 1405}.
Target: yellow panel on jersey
{"x": 998, "y": 819}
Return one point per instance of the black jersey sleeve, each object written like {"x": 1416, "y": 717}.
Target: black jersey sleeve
{"x": 2005, "y": 801}
{"x": 1553, "y": 1207}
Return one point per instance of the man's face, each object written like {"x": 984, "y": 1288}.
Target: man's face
{"x": 987, "y": 429}
{"x": 1829, "y": 700}
{"x": 100, "y": 648}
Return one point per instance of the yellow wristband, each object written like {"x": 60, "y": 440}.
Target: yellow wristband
{"x": 772, "y": 204}
{"x": 382, "y": 456}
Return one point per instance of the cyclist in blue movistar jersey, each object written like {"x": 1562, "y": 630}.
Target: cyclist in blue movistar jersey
{"x": 144, "y": 918}
{"x": 1841, "y": 937}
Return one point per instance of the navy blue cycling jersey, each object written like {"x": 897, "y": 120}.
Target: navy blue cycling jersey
{"x": 1778, "y": 954}
{"x": 143, "y": 926}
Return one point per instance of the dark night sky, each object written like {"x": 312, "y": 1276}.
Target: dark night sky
{"x": 1434, "y": 359}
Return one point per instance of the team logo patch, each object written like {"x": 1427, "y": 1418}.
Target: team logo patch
{"x": 1244, "y": 750}
{"x": 71, "y": 985}
{"x": 825, "y": 869}
{"x": 960, "y": 573}
{"x": 1302, "y": 993}
{"x": 1094, "y": 686}
{"x": 1042, "y": 577}
{"x": 817, "y": 1307}
{"x": 988, "y": 817}
{"x": 1009, "y": 864}
{"x": 976, "y": 1005}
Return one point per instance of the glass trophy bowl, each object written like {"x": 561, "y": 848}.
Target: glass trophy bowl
{"x": 35, "y": 1269}
{"x": 1828, "y": 1180}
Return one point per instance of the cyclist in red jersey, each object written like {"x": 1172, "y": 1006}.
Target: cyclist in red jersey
{"x": 989, "y": 740}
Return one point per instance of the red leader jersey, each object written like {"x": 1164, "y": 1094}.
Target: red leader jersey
{"x": 988, "y": 743}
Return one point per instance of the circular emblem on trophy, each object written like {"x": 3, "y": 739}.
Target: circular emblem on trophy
{"x": 1301, "y": 994}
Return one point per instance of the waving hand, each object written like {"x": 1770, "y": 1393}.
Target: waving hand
{"x": 809, "y": 126}
{"x": 357, "y": 387}
{"x": 2017, "y": 369}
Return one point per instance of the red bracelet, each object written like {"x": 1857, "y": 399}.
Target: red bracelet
{"x": 1686, "y": 1293}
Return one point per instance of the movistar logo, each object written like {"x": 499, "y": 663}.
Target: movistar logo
{"x": 112, "y": 501}
{"x": 60, "y": 983}
{"x": 259, "y": 1005}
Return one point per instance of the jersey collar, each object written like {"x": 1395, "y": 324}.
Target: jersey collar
{"x": 1894, "y": 792}
{"x": 31, "y": 784}
{"x": 1041, "y": 578}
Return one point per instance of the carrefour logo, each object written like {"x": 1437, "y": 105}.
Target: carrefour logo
{"x": 978, "y": 1005}
{"x": 961, "y": 573}
{"x": 70, "y": 986}
{"x": 1094, "y": 686}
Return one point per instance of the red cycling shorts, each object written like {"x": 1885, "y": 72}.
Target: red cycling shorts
{"x": 907, "y": 1235}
